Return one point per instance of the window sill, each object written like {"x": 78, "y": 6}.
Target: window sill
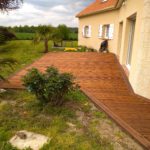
{"x": 86, "y": 37}
{"x": 104, "y": 38}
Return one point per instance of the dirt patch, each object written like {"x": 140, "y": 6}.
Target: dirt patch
{"x": 107, "y": 129}
{"x": 121, "y": 140}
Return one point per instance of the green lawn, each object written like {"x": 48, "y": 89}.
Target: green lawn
{"x": 25, "y": 36}
{"x": 30, "y": 36}
{"x": 78, "y": 125}
{"x": 25, "y": 52}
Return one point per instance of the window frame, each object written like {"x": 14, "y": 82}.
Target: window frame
{"x": 86, "y": 34}
{"x": 106, "y": 31}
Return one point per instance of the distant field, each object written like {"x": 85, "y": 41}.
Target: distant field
{"x": 25, "y": 36}
{"x": 30, "y": 36}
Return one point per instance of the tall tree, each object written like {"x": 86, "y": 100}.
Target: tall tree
{"x": 5, "y": 35}
{"x": 61, "y": 33}
{"x": 6, "y": 62}
{"x": 6, "y": 5}
{"x": 44, "y": 33}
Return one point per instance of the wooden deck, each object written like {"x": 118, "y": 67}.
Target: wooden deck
{"x": 102, "y": 79}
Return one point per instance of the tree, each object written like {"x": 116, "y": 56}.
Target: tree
{"x": 44, "y": 33}
{"x": 5, "y": 35}
{"x": 6, "y": 5}
{"x": 6, "y": 62}
{"x": 61, "y": 33}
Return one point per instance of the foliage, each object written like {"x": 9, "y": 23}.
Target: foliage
{"x": 73, "y": 36}
{"x": 33, "y": 29}
{"x": 24, "y": 29}
{"x": 44, "y": 33}
{"x": 31, "y": 35}
{"x": 86, "y": 49}
{"x": 61, "y": 33}
{"x": 6, "y": 62}
{"x": 5, "y": 35}
{"x": 49, "y": 87}
{"x": 6, "y": 5}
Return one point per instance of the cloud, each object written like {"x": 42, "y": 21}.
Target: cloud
{"x": 35, "y": 12}
{"x": 59, "y": 9}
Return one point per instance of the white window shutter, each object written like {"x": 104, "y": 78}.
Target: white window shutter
{"x": 90, "y": 31}
{"x": 100, "y": 34}
{"x": 111, "y": 31}
{"x": 83, "y": 31}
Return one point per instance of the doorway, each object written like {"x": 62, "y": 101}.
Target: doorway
{"x": 132, "y": 22}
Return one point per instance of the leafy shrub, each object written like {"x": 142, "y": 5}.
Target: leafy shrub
{"x": 49, "y": 87}
{"x": 82, "y": 48}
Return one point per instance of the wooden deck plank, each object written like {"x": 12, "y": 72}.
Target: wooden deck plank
{"x": 102, "y": 79}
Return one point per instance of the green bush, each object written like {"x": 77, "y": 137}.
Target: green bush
{"x": 49, "y": 87}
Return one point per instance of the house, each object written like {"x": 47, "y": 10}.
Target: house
{"x": 126, "y": 25}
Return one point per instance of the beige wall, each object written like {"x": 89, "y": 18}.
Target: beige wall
{"x": 96, "y": 20}
{"x": 139, "y": 74}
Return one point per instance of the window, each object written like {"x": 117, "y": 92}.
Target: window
{"x": 106, "y": 31}
{"x": 87, "y": 31}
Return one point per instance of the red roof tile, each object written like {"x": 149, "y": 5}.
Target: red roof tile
{"x": 97, "y": 6}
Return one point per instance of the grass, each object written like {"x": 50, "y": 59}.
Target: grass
{"x": 25, "y": 52}
{"x": 19, "y": 110}
{"x": 25, "y": 36}
{"x": 30, "y": 36}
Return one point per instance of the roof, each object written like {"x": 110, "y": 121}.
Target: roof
{"x": 97, "y": 7}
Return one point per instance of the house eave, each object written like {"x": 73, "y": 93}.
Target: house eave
{"x": 117, "y": 6}
{"x": 119, "y": 3}
{"x": 96, "y": 12}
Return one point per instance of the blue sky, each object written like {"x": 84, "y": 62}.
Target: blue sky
{"x": 35, "y": 12}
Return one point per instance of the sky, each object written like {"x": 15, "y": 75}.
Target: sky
{"x": 54, "y": 12}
